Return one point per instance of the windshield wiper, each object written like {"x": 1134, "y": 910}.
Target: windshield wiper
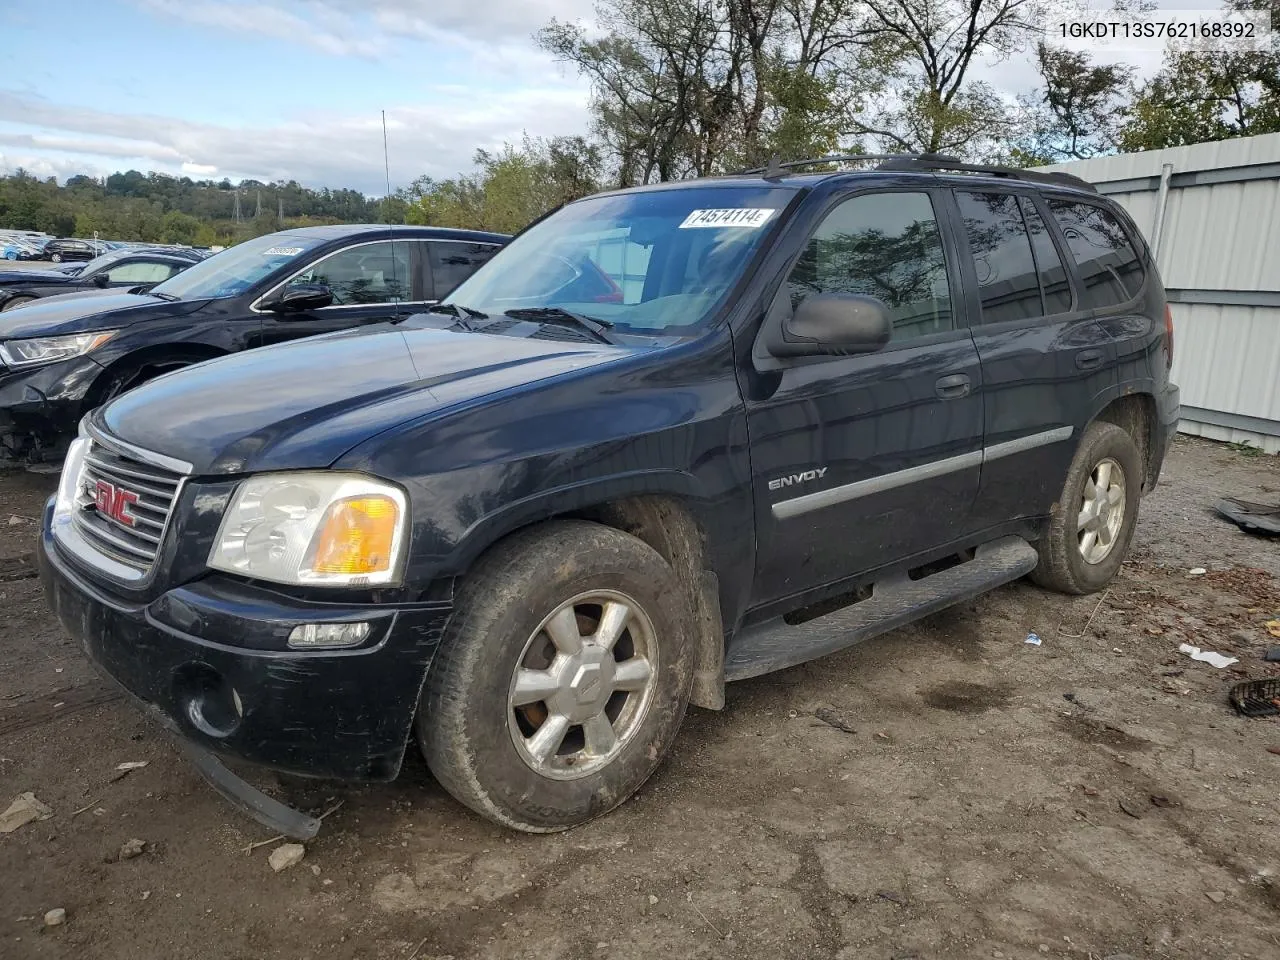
{"x": 167, "y": 297}
{"x": 566, "y": 318}
{"x": 463, "y": 314}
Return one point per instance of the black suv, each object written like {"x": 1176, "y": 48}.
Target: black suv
{"x": 529, "y": 526}
{"x": 63, "y": 357}
{"x": 137, "y": 269}
{"x": 68, "y": 248}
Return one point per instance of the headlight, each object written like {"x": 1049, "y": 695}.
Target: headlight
{"x": 322, "y": 528}
{"x": 26, "y": 353}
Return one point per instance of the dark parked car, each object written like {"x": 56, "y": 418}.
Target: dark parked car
{"x": 58, "y": 360}
{"x": 528, "y": 527}
{"x": 71, "y": 249}
{"x": 142, "y": 268}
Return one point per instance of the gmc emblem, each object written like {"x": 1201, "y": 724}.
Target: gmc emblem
{"x": 114, "y": 502}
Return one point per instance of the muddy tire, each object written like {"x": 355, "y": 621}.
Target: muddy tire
{"x": 562, "y": 678}
{"x": 1092, "y": 524}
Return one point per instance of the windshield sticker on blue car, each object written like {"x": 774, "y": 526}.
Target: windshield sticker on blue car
{"x": 282, "y": 252}
{"x": 750, "y": 217}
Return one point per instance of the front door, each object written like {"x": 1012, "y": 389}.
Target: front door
{"x": 370, "y": 283}
{"x": 862, "y": 461}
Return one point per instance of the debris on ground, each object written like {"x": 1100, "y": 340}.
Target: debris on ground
{"x": 132, "y": 848}
{"x": 286, "y": 855}
{"x": 1033, "y": 639}
{"x": 55, "y": 917}
{"x": 1217, "y": 896}
{"x": 892, "y": 897}
{"x": 1256, "y": 698}
{"x": 834, "y": 719}
{"x": 1208, "y": 656}
{"x": 1262, "y": 518}
{"x": 24, "y": 809}
{"x": 1273, "y": 627}
{"x": 1197, "y": 571}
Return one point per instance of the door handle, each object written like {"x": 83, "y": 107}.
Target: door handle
{"x": 952, "y": 387}
{"x": 1089, "y": 359}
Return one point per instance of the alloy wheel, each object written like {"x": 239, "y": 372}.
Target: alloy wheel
{"x": 583, "y": 685}
{"x": 1101, "y": 511}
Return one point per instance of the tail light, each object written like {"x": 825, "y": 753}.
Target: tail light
{"x": 1168, "y": 336}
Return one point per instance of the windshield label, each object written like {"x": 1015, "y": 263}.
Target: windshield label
{"x": 750, "y": 217}
{"x": 282, "y": 252}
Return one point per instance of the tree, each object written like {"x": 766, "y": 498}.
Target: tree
{"x": 179, "y": 227}
{"x": 932, "y": 104}
{"x": 1078, "y": 112}
{"x": 1199, "y": 97}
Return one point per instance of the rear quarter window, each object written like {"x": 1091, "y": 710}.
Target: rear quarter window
{"x": 1109, "y": 266}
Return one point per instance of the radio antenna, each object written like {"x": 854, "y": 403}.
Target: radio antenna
{"x": 386, "y": 210}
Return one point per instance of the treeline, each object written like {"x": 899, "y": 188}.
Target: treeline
{"x": 686, "y": 88}
{"x": 158, "y": 208}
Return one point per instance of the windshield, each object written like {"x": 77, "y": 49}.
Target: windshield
{"x": 99, "y": 263}
{"x": 645, "y": 262}
{"x": 236, "y": 269}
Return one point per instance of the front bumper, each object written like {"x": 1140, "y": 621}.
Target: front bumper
{"x": 43, "y": 404}
{"x": 210, "y": 658}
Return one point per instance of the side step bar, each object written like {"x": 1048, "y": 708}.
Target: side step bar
{"x": 776, "y": 645}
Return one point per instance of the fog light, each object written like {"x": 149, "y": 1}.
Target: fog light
{"x": 310, "y": 635}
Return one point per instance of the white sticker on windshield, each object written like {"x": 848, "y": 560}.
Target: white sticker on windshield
{"x": 282, "y": 252}
{"x": 750, "y": 217}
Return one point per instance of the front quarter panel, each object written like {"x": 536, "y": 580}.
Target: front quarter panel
{"x": 669, "y": 422}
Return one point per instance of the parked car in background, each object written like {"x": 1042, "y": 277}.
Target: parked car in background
{"x": 15, "y": 248}
{"x": 135, "y": 269}
{"x": 62, "y": 359}
{"x": 71, "y": 249}
{"x": 526, "y": 527}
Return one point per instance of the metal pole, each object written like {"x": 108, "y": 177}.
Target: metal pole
{"x": 1166, "y": 172}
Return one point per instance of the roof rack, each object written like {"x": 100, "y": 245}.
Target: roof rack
{"x": 923, "y": 162}
{"x": 777, "y": 169}
{"x": 934, "y": 161}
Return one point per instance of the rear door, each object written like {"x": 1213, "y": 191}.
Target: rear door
{"x": 1045, "y": 359}
{"x": 371, "y": 282}
{"x": 865, "y": 460}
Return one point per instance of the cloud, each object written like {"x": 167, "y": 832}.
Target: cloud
{"x": 368, "y": 29}
{"x": 328, "y": 30}
{"x": 437, "y": 138}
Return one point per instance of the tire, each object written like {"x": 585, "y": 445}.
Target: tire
{"x": 56, "y": 258}
{"x": 485, "y": 750}
{"x": 15, "y": 302}
{"x": 1071, "y": 561}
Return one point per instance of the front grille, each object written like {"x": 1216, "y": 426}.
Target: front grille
{"x": 123, "y": 505}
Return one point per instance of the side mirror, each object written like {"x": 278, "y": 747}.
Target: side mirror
{"x": 298, "y": 297}
{"x": 834, "y": 324}
{"x": 101, "y": 280}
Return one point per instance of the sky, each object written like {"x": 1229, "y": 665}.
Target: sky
{"x": 293, "y": 89}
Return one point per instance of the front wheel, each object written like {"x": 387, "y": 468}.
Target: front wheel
{"x": 562, "y": 679}
{"x": 56, "y": 258}
{"x": 1092, "y": 524}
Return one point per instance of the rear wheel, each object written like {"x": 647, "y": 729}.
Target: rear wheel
{"x": 562, "y": 679}
{"x": 56, "y": 258}
{"x": 1092, "y": 524}
{"x": 14, "y": 302}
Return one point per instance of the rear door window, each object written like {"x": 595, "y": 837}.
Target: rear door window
{"x": 452, "y": 262}
{"x": 1053, "y": 275}
{"x": 1109, "y": 267}
{"x": 1002, "y": 256}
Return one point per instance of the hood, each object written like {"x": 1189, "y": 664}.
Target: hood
{"x": 52, "y": 316}
{"x": 304, "y": 404}
{"x": 10, "y": 277}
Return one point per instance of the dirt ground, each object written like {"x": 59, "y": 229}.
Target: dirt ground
{"x": 1093, "y": 797}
